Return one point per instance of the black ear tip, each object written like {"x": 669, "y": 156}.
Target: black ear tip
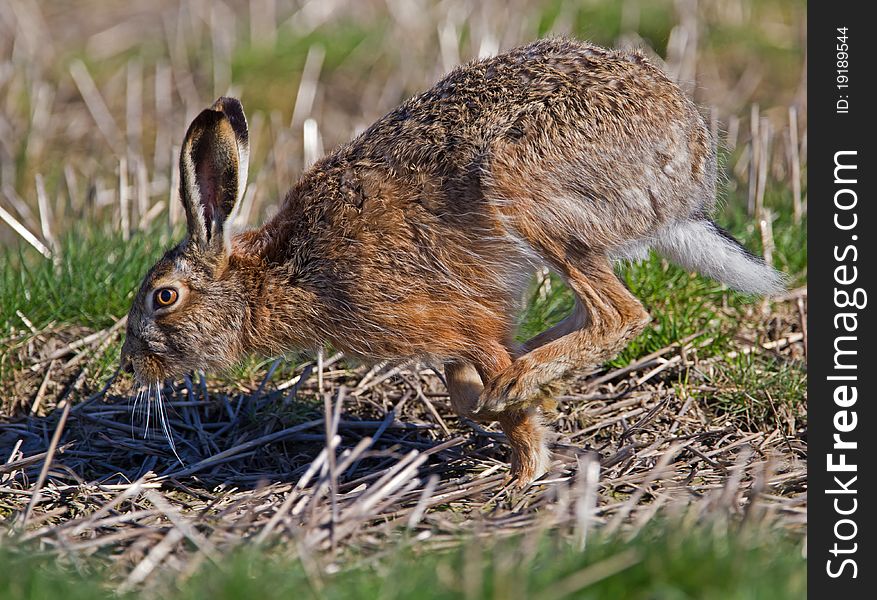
{"x": 227, "y": 104}
{"x": 234, "y": 112}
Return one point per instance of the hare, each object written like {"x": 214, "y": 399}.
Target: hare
{"x": 416, "y": 239}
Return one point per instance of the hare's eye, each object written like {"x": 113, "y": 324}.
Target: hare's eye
{"x": 165, "y": 297}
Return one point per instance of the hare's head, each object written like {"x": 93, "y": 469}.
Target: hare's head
{"x": 189, "y": 312}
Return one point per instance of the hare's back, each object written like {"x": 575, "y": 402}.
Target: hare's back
{"x": 601, "y": 139}
{"x": 553, "y": 87}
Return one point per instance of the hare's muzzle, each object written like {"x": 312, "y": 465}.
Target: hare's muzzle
{"x": 133, "y": 358}
{"x": 130, "y": 348}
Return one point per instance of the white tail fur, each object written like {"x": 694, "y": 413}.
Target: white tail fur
{"x": 703, "y": 246}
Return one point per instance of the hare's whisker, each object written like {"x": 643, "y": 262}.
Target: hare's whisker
{"x": 148, "y": 411}
{"x": 138, "y": 397}
{"x": 162, "y": 416}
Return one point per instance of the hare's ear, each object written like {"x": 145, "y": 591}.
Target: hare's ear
{"x": 213, "y": 169}
{"x": 234, "y": 112}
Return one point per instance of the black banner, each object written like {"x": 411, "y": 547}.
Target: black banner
{"x": 842, "y": 242}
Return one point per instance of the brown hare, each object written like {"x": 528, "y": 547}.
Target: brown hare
{"x": 417, "y": 239}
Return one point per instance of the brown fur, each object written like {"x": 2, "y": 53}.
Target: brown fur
{"x": 416, "y": 239}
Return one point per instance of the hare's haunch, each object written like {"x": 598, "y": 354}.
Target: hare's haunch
{"x": 416, "y": 239}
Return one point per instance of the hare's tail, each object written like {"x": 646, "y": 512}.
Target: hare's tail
{"x": 702, "y": 246}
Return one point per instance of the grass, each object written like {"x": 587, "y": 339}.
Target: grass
{"x": 92, "y": 285}
{"x": 754, "y": 388}
{"x": 656, "y": 564}
{"x": 666, "y": 560}
{"x": 257, "y": 66}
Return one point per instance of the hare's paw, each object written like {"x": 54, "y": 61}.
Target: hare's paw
{"x": 528, "y": 464}
{"x": 520, "y": 386}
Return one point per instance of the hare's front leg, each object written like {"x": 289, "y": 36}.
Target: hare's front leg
{"x": 607, "y": 317}
{"x": 523, "y": 428}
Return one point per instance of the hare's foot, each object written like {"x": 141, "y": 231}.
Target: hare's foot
{"x": 530, "y": 457}
{"x": 524, "y": 384}
{"x": 523, "y": 428}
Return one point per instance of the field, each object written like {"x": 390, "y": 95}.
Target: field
{"x": 679, "y": 466}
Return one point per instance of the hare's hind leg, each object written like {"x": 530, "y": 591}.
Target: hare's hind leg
{"x": 610, "y": 318}
{"x": 574, "y": 321}
{"x": 523, "y": 428}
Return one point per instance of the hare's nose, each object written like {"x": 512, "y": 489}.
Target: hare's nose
{"x": 131, "y": 346}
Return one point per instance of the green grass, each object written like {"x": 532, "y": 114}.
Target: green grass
{"x": 755, "y": 387}
{"x": 273, "y": 72}
{"x": 665, "y": 561}
{"x": 91, "y": 286}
